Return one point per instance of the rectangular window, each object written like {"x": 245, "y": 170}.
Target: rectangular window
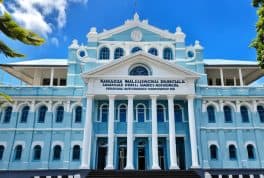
{"x": 210, "y": 81}
{"x": 46, "y": 82}
{"x": 229, "y": 82}
{"x": 63, "y": 82}
{"x": 218, "y": 82}
{"x": 55, "y": 82}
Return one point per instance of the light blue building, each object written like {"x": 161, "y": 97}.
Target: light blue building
{"x": 133, "y": 98}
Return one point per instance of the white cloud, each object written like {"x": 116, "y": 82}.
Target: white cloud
{"x": 55, "y": 41}
{"x": 2, "y": 9}
{"x": 34, "y": 14}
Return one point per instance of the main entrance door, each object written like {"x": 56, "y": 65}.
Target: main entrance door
{"x": 180, "y": 152}
{"x": 161, "y": 152}
{"x": 101, "y": 153}
{"x": 122, "y": 153}
{"x": 141, "y": 153}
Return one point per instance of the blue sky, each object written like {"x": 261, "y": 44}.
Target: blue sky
{"x": 225, "y": 28}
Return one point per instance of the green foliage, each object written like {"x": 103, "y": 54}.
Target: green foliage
{"x": 6, "y": 97}
{"x": 12, "y": 30}
{"x": 258, "y": 42}
{"x": 7, "y": 51}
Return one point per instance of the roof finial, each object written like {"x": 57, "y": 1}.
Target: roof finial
{"x": 136, "y": 17}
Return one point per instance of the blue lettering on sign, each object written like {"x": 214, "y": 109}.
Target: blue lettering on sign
{"x": 120, "y": 84}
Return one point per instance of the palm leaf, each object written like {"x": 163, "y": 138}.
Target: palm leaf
{"x": 6, "y": 97}
{"x": 8, "y": 51}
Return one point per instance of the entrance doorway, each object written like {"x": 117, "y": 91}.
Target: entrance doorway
{"x": 141, "y": 153}
{"x": 180, "y": 152}
{"x": 161, "y": 153}
{"x": 122, "y": 152}
{"x": 101, "y": 153}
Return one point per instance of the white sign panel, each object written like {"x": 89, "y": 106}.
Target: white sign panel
{"x": 140, "y": 86}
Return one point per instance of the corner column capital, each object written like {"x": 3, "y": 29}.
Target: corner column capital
{"x": 130, "y": 96}
{"x": 170, "y": 96}
{"x": 190, "y": 97}
{"x": 90, "y": 96}
{"x": 111, "y": 96}
{"x": 153, "y": 96}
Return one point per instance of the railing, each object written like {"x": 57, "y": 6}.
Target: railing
{"x": 237, "y": 174}
{"x": 230, "y": 90}
{"x": 42, "y": 91}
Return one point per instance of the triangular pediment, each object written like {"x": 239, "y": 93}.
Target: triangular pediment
{"x": 160, "y": 68}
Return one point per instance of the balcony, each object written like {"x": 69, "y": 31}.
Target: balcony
{"x": 230, "y": 90}
{"x": 42, "y": 91}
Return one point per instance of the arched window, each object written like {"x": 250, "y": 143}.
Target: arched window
{"x": 153, "y": 51}
{"x": 18, "y": 152}
{"x": 78, "y": 114}
{"x": 211, "y": 114}
{"x": 37, "y": 152}
{"x": 2, "y": 150}
{"x": 8, "y": 114}
{"x": 76, "y": 153}
{"x": 213, "y": 152}
{"x": 122, "y": 113}
{"x": 178, "y": 113}
{"x": 228, "y": 114}
{"x": 59, "y": 114}
{"x": 141, "y": 112}
{"x": 104, "y": 53}
{"x": 119, "y": 52}
{"x": 136, "y": 49}
{"x": 167, "y": 54}
{"x": 261, "y": 113}
{"x": 232, "y": 152}
{"x": 42, "y": 114}
{"x": 57, "y": 152}
{"x": 244, "y": 114}
{"x": 139, "y": 70}
{"x": 104, "y": 113}
{"x": 250, "y": 151}
{"x": 24, "y": 114}
{"x": 161, "y": 113}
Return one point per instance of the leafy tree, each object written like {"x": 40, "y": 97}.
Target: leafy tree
{"x": 12, "y": 30}
{"x": 258, "y": 42}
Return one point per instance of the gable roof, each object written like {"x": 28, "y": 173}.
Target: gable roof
{"x": 228, "y": 62}
{"x": 143, "y": 54}
{"x": 39, "y": 62}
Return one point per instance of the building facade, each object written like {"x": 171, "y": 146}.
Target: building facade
{"x": 133, "y": 98}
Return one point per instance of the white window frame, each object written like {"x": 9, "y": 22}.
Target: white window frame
{"x": 164, "y": 112}
{"x": 145, "y": 112}
{"x": 118, "y": 111}
{"x": 182, "y": 109}
{"x": 100, "y": 112}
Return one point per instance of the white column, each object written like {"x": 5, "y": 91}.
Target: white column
{"x": 241, "y": 77}
{"x": 51, "y": 76}
{"x": 87, "y": 134}
{"x": 155, "y": 160}
{"x": 207, "y": 175}
{"x": 235, "y": 81}
{"x": 111, "y": 136}
{"x": 130, "y": 137}
{"x": 222, "y": 76}
{"x": 192, "y": 130}
{"x": 172, "y": 135}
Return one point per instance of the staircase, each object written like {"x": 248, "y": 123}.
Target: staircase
{"x": 143, "y": 174}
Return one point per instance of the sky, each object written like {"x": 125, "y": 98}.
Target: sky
{"x": 225, "y": 28}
